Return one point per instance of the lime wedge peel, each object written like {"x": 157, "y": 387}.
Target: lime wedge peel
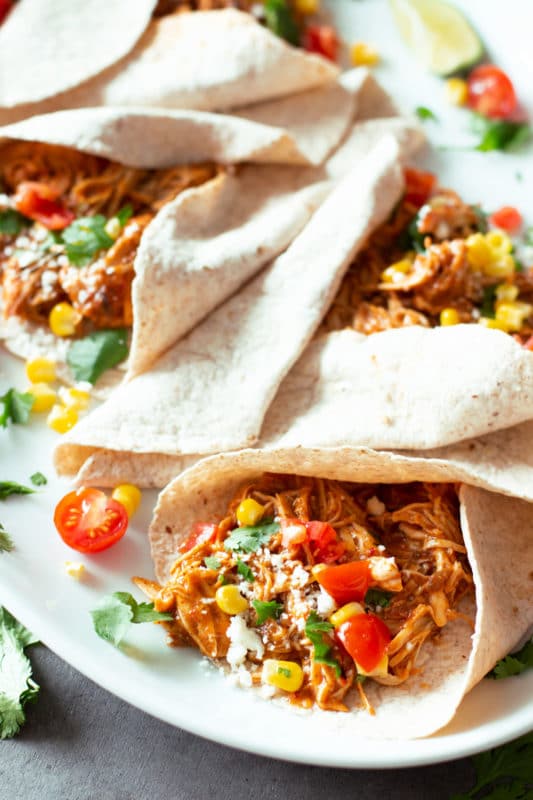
{"x": 438, "y": 35}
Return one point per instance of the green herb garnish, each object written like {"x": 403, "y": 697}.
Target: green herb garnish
{"x": 16, "y": 407}
{"x": 124, "y": 214}
{"x": 88, "y": 358}
{"x": 114, "y": 614}
{"x": 279, "y": 20}
{"x": 17, "y": 687}
{"x": 489, "y": 298}
{"x": 266, "y": 609}
{"x": 38, "y": 479}
{"x": 500, "y": 134}
{"x": 377, "y": 597}
{"x": 212, "y": 563}
{"x": 514, "y": 664}
{"x": 11, "y": 222}
{"x": 248, "y": 539}
{"x": 505, "y": 772}
{"x": 482, "y": 223}
{"x": 7, "y": 488}
{"x": 84, "y": 238}
{"x": 6, "y": 542}
{"x": 284, "y": 671}
{"x": 424, "y": 113}
{"x": 244, "y": 570}
{"x": 315, "y": 628}
{"x": 528, "y": 236}
{"x": 415, "y": 239}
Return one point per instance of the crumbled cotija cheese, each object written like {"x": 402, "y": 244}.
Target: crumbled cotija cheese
{"x": 242, "y": 639}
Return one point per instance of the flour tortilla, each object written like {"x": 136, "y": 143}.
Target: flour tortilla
{"x": 49, "y": 46}
{"x": 498, "y": 534}
{"x": 213, "y": 60}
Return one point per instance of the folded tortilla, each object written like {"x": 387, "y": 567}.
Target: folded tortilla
{"x": 498, "y": 534}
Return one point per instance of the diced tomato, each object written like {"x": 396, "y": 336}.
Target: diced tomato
{"x": 89, "y": 521}
{"x": 325, "y": 544}
{"x": 507, "y": 218}
{"x": 419, "y": 186}
{"x": 346, "y": 582}
{"x": 201, "y": 533}
{"x": 292, "y": 532}
{"x": 5, "y": 8}
{"x": 366, "y": 638}
{"x": 323, "y": 40}
{"x": 491, "y": 93}
{"x": 38, "y": 201}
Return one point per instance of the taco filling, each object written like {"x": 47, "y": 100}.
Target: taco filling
{"x": 434, "y": 262}
{"x": 70, "y": 227}
{"x": 310, "y": 587}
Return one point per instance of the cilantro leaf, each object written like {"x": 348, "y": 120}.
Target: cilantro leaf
{"x": 501, "y": 134}
{"x": 212, "y": 563}
{"x": 12, "y": 222}
{"x": 424, "y": 113}
{"x": 378, "y": 597}
{"x": 38, "y": 479}
{"x": 489, "y": 298}
{"x": 17, "y": 686}
{"x": 245, "y": 571}
{"x": 284, "y": 671}
{"x": 88, "y": 358}
{"x": 7, "y": 488}
{"x": 266, "y": 609}
{"x": 528, "y": 235}
{"x": 248, "y": 539}
{"x": 514, "y": 664}
{"x": 114, "y": 613}
{"x": 84, "y": 238}
{"x": 16, "y": 407}
{"x": 510, "y": 763}
{"x": 315, "y": 628}
{"x": 6, "y": 542}
{"x": 124, "y": 214}
{"x": 482, "y": 218}
{"x": 279, "y": 20}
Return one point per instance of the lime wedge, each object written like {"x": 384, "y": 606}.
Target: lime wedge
{"x": 438, "y": 34}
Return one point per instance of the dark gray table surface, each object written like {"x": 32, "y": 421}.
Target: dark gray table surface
{"x": 81, "y": 743}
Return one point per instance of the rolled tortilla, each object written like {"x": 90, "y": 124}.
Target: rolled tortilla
{"x": 498, "y": 534}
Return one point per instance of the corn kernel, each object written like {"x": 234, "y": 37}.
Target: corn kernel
{"x": 113, "y": 228}
{"x": 487, "y": 322}
{"x": 44, "y": 397}
{"x": 456, "y": 91}
{"x": 506, "y": 293}
{"x": 478, "y": 251}
{"x": 129, "y": 496}
{"x": 381, "y": 668}
{"x": 499, "y": 242}
{"x": 40, "y": 370}
{"x": 512, "y": 315}
{"x": 449, "y": 316}
{"x": 286, "y": 675}
{"x": 503, "y": 267}
{"x": 75, "y": 569}
{"x": 62, "y": 419}
{"x": 74, "y": 398}
{"x": 345, "y": 613}
{"x": 306, "y": 6}
{"x": 230, "y": 600}
{"x": 363, "y": 55}
{"x": 63, "y": 319}
{"x": 249, "y": 512}
{"x": 397, "y": 271}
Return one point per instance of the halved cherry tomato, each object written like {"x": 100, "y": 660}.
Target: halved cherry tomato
{"x": 89, "y": 521}
{"x": 365, "y": 637}
{"x": 490, "y": 92}
{"x": 346, "y": 582}
{"x": 325, "y": 544}
{"x": 5, "y": 8}
{"x": 419, "y": 186}
{"x": 38, "y": 201}
{"x": 201, "y": 533}
{"x": 323, "y": 40}
{"x": 293, "y": 532}
{"x": 507, "y": 218}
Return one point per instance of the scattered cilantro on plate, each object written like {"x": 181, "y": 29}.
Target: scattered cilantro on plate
{"x": 38, "y": 479}
{"x": 89, "y": 357}
{"x": 6, "y": 542}
{"x": 114, "y": 614}
{"x": 505, "y": 772}
{"x": 514, "y": 664}
{"x": 7, "y": 488}
{"x": 16, "y": 407}
{"x": 424, "y": 113}
{"x": 17, "y": 687}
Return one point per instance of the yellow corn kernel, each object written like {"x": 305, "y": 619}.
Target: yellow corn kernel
{"x": 506, "y": 293}
{"x": 44, "y": 397}
{"x": 345, "y": 613}
{"x": 512, "y": 315}
{"x": 499, "y": 242}
{"x": 502, "y": 267}
{"x": 61, "y": 419}
{"x": 77, "y": 399}
{"x": 449, "y": 316}
{"x": 306, "y": 6}
{"x": 286, "y": 675}
{"x": 249, "y": 512}
{"x": 478, "y": 251}
{"x": 456, "y": 91}
{"x": 381, "y": 668}
{"x": 487, "y": 322}
{"x": 230, "y": 600}
{"x": 75, "y": 569}
{"x": 113, "y": 228}
{"x": 40, "y": 370}
{"x": 63, "y": 319}
{"x": 363, "y": 55}
{"x": 396, "y": 271}
{"x": 129, "y": 496}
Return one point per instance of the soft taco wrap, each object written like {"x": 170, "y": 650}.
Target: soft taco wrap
{"x": 344, "y": 579}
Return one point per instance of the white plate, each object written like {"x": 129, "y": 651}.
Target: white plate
{"x": 177, "y": 685}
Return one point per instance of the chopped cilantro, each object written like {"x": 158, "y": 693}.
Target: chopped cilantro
{"x": 16, "y": 407}
{"x": 84, "y": 238}
{"x": 222, "y": 579}
{"x": 11, "y": 222}
{"x": 414, "y": 239}
{"x": 17, "y": 687}
{"x": 505, "y": 772}
{"x": 424, "y": 113}
{"x": 7, "y": 488}
{"x": 52, "y": 238}
{"x": 6, "y": 542}
{"x": 244, "y": 570}
{"x": 284, "y": 671}
{"x": 489, "y": 298}
{"x": 266, "y": 609}
{"x": 88, "y": 358}
{"x": 114, "y": 613}
{"x": 528, "y": 235}
{"x": 377, "y": 597}
{"x": 514, "y": 664}
{"x": 518, "y": 265}
{"x": 212, "y": 563}
{"x": 280, "y": 20}
{"x": 360, "y": 678}
{"x": 315, "y": 628}
{"x": 248, "y": 539}
{"x": 482, "y": 218}
{"x": 38, "y": 479}
{"x": 124, "y": 214}
{"x": 500, "y": 134}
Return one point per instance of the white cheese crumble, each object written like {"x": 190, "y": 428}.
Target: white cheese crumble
{"x": 242, "y": 639}
{"x": 374, "y": 506}
{"x": 325, "y": 604}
